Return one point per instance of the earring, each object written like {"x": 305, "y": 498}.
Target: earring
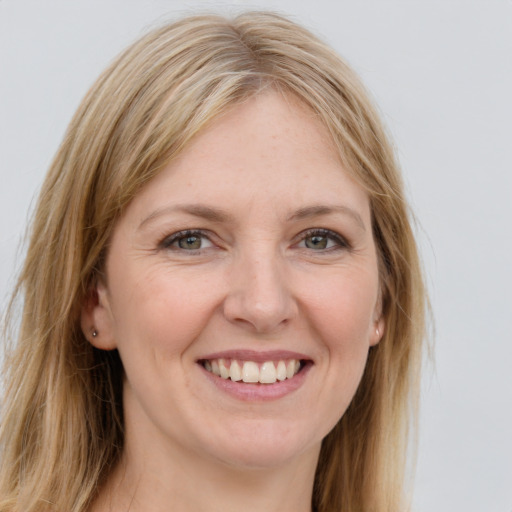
{"x": 376, "y": 331}
{"x": 94, "y": 333}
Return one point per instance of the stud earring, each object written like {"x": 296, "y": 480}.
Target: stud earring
{"x": 377, "y": 332}
{"x": 94, "y": 333}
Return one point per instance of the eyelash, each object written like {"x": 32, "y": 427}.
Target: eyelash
{"x": 340, "y": 242}
{"x": 167, "y": 243}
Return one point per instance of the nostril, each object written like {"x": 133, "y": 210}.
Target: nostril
{"x": 260, "y": 315}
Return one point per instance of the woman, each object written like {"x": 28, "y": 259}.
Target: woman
{"x": 223, "y": 305}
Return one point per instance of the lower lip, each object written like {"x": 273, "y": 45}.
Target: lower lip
{"x": 259, "y": 392}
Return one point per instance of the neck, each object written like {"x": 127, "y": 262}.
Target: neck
{"x": 159, "y": 482}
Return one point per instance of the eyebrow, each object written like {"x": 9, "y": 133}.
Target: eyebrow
{"x": 221, "y": 216}
{"x": 319, "y": 210}
{"x": 197, "y": 210}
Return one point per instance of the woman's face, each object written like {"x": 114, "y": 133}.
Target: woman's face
{"x": 252, "y": 256}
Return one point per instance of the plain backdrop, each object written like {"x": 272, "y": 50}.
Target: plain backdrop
{"x": 441, "y": 73}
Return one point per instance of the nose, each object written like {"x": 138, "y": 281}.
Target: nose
{"x": 260, "y": 296}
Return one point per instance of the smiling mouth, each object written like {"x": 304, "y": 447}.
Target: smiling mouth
{"x": 267, "y": 372}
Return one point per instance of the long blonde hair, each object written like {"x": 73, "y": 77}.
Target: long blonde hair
{"x": 62, "y": 420}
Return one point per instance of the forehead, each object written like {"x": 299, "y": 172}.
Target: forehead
{"x": 269, "y": 151}
{"x": 270, "y": 126}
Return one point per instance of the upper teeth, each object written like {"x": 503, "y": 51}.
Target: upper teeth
{"x": 250, "y": 371}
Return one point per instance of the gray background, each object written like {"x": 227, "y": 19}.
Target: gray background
{"x": 441, "y": 72}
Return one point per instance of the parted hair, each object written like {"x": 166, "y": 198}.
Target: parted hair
{"x": 61, "y": 418}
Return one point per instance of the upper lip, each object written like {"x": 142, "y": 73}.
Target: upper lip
{"x": 255, "y": 355}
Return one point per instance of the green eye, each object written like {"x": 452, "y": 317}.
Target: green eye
{"x": 316, "y": 242}
{"x": 323, "y": 240}
{"x": 192, "y": 242}
{"x": 187, "y": 241}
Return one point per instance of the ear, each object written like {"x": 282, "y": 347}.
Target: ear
{"x": 378, "y": 323}
{"x": 378, "y": 327}
{"x": 96, "y": 318}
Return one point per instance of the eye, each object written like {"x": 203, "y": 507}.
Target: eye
{"x": 187, "y": 241}
{"x": 322, "y": 240}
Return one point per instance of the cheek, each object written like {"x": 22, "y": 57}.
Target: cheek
{"x": 342, "y": 314}
{"x": 154, "y": 327}
{"x": 343, "y": 308}
{"x": 161, "y": 309}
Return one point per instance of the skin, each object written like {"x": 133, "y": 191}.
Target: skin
{"x": 258, "y": 282}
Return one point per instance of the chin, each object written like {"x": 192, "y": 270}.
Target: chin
{"x": 263, "y": 444}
